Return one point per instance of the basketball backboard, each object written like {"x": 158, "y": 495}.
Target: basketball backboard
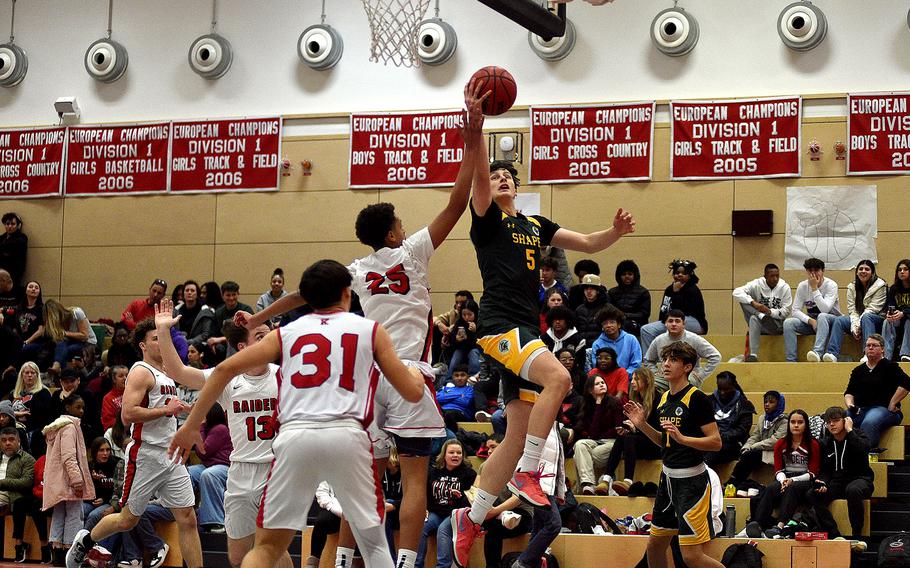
{"x": 533, "y": 15}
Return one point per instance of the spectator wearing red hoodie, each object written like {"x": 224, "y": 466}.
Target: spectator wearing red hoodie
{"x": 113, "y": 400}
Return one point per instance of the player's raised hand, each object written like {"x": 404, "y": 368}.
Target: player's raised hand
{"x": 623, "y": 222}
{"x": 242, "y": 319}
{"x": 473, "y": 114}
{"x": 635, "y": 412}
{"x": 183, "y": 442}
{"x": 164, "y": 311}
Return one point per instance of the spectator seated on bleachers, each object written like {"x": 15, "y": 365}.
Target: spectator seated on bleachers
{"x": 766, "y": 302}
{"x": 844, "y": 473}
{"x": 596, "y": 432}
{"x": 197, "y": 320}
{"x": 210, "y": 477}
{"x": 555, "y": 299}
{"x": 897, "y": 312}
{"x": 759, "y": 448}
{"x": 733, "y": 413}
{"x": 816, "y": 298}
{"x": 121, "y": 351}
{"x": 144, "y": 308}
{"x": 443, "y": 323}
{"x": 595, "y": 298}
{"x": 708, "y": 355}
{"x": 70, "y": 331}
{"x": 456, "y": 398}
{"x": 630, "y": 297}
{"x": 561, "y": 332}
{"x": 449, "y": 480}
{"x": 875, "y": 391}
{"x": 582, "y": 268}
{"x": 16, "y": 493}
{"x": 463, "y": 340}
{"x": 615, "y": 377}
{"x": 573, "y": 362}
{"x": 548, "y": 282}
{"x": 683, "y": 294}
{"x": 632, "y": 445}
{"x": 866, "y": 297}
{"x": 626, "y": 346}
{"x": 32, "y": 406}
{"x": 796, "y": 464}
{"x": 103, "y": 467}
{"x": 113, "y": 400}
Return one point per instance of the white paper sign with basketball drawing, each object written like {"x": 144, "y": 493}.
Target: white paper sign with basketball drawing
{"x": 837, "y": 224}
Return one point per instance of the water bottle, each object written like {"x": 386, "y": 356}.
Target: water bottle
{"x": 730, "y": 524}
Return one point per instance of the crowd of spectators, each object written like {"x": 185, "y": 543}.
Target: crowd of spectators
{"x": 64, "y": 394}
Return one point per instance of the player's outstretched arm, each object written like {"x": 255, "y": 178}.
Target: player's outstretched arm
{"x": 173, "y": 366}
{"x": 277, "y": 308}
{"x": 408, "y": 385}
{"x": 472, "y": 134}
{"x": 266, "y": 351}
{"x": 623, "y": 224}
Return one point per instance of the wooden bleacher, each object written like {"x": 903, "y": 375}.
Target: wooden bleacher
{"x": 772, "y": 347}
{"x": 624, "y": 551}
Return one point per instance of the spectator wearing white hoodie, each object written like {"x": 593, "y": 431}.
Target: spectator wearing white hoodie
{"x": 814, "y": 308}
{"x": 866, "y": 297}
{"x": 766, "y": 302}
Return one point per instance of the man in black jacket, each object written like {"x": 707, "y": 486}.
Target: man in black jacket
{"x": 595, "y": 298}
{"x": 845, "y": 473}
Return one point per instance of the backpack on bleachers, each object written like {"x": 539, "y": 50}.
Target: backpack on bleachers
{"x": 894, "y": 551}
{"x": 586, "y": 517}
{"x": 742, "y": 555}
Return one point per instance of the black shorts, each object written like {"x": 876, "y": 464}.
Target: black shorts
{"x": 511, "y": 350}
{"x": 683, "y": 507}
{"x": 413, "y": 447}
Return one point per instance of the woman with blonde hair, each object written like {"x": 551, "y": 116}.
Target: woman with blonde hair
{"x": 69, "y": 329}
{"x": 632, "y": 444}
{"x": 32, "y": 406}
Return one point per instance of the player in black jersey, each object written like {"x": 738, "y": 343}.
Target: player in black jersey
{"x": 686, "y": 431}
{"x": 534, "y": 382}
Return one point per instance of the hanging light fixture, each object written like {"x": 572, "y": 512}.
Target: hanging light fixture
{"x": 674, "y": 31}
{"x": 436, "y": 40}
{"x": 13, "y": 62}
{"x": 320, "y": 46}
{"x": 105, "y": 59}
{"x": 210, "y": 55}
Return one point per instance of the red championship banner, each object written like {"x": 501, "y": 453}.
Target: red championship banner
{"x": 591, "y": 143}
{"x": 749, "y": 138}
{"x": 878, "y": 125}
{"x": 226, "y": 155}
{"x": 405, "y": 149}
{"x": 117, "y": 160}
{"x": 31, "y": 162}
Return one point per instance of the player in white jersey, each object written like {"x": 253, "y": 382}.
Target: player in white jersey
{"x": 326, "y": 386}
{"x": 393, "y": 286}
{"x": 250, "y": 402}
{"x": 149, "y": 403}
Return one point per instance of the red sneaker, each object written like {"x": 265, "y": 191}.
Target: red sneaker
{"x": 99, "y": 557}
{"x": 464, "y": 532}
{"x": 526, "y": 486}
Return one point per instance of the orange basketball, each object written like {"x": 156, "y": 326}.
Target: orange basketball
{"x": 503, "y": 87}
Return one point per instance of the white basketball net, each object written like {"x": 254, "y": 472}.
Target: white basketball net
{"x": 393, "y": 26}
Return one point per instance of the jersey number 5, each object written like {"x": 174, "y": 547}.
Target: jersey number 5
{"x": 531, "y": 260}
{"x": 397, "y": 278}
{"x": 319, "y": 358}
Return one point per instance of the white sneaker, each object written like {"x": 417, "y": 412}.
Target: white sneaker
{"x": 509, "y": 519}
{"x": 829, "y": 358}
{"x": 159, "y": 557}
{"x": 812, "y": 357}
{"x": 130, "y": 563}
{"x": 737, "y": 359}
{"x": 905, "y": 358}
{"x": 752, "y": 492}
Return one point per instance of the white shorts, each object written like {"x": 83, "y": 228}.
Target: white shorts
{"x": 150, "y": 474}
{"x": 397, "y": 416}
{"x": 307, "y": 453}
{"x": 243, "y": 496}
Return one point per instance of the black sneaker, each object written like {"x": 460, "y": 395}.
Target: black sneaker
{"x": 21, "y": 552}
{"x": 75, "y": 556}
{"x": 753, "y": 530}
{"x": 46, "y": 557}
{"x": 637, "y": 489}
{"x": 650, "y": 489}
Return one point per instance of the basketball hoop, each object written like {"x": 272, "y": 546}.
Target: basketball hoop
{"x": 393, "y": 27}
